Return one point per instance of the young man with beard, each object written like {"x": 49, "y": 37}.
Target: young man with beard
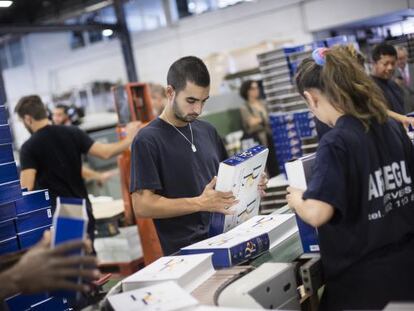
{"x": 175, "y": 160}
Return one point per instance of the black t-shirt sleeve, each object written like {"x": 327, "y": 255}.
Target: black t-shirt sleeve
{"x": 83, "y": 140}
{"x": 27, "y": 158}
{"x": 328, "y": 180}
{"x": 144, "y": 172}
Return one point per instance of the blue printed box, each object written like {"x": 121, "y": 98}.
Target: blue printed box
{"x": 8, "y": 172}
{"x": 33, "y": 220}
{"x": 6, "y": 153}
{"x": 7, "y": 229}
{"x": 10, "y": 245}
{"x": 10, "y": 192}
{"x": 21, "y": 302}
{"x": 69, "y": 223}
{"x": 32, "y": 200}
{"x": 52, "y": 303}
{"x": 7, "y": 211}
{"x": 3, "y": 115}
{"x": 5, "y": 135}
{"x": 246, "y": 241}
{"x": 29, "y": 238}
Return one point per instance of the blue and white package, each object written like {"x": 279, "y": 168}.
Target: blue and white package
{"x": 7, "y": 211}
{"x": 240, "y": 174}
{"x": 5, "y": 135}
{"x": 246, "y": 241}
{"x": 29, "y": 238}
{"x": 32, "y": 200}
{"x": 52, "y": 303}
{"x": 8, "y": 172}
{"x": 10, "y": 192}
{"x": 70, "y": 222}
{"x": 3, "y": 115}
{"x": 21, "y": 302}
{"x": 7, "y": 229}
{"x": 9, "y": 246}
{"x": 6, "y": 153}
{"x": 298, "y": 173}
{"x": 29, "y": 221}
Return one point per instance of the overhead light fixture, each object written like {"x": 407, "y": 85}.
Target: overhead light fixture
{"x": 107, "y": 32}
{"x": 5, "y": 4}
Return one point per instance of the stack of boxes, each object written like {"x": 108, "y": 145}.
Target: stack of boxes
{"x": 34, "y": 217}
{"x": 23, "y": 219}
{"x": 286, "y": 138}
{"x": 293, "y": 126}
{"x": 10, "y": 190}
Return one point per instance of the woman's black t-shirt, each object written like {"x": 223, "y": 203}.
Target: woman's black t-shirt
{"x": 367, "y": 177}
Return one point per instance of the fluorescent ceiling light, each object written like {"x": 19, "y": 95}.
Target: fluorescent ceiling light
{"x": 107, "y": 32}
{"x": 5, "y": 4}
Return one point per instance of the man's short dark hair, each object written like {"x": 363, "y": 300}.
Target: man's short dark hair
{"x": 244, "y": 89}
{"x": 189, "y": 68}
{"x": 383, "y": 49}
{"x": 64, "y": 107}
{"x": 31, "y": 105}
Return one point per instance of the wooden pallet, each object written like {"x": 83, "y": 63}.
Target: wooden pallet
{"x": 122, "y": 268}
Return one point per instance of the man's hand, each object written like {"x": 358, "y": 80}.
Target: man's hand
{"x": 132, "y": 128}
{"x": 294, "y": 197}
{"x": 262, "y": 186}
{"x": 216, "y": 201}
{"x": 46, "y": 269}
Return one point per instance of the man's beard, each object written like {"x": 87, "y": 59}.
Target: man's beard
{"x": 180, "y": 115}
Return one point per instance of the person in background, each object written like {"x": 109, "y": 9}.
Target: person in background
{"x": 255, "y": 121}
{"x": 174, "y": 161}
{"x": 158, "y": 97}
{"x": 52, "y": 157}
{"x": 60, "y": 116}
{"x": 382, "y": 73}
{"x": 360, "y": 194}
{"x": 384, "y": 57}
{"x": 403, "y": 79}
{"x": 43, "y": 269}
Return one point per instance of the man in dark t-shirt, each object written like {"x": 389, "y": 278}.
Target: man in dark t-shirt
{"x": 384, "y": 58}
{"x": 51, "y": 157}
{"x": 175, "y": 159}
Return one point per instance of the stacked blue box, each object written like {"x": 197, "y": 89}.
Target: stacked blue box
{"x": 305, "y": 123}
{"x": 34, "y": 220}
{"x": 286, "y": 138}
{"x": 33, "y": 200}
{"x": 52, "y": 303}
{"x": 3, "y": 115}
{"x": 24, "y": 302}
{"x": 5, "y": 134}
{"x": 29, "y": 238}
{"x": 340, "y": 40}
{"x": 9, "y": 180}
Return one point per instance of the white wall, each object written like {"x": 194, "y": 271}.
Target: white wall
{"x": 52, "y": 67}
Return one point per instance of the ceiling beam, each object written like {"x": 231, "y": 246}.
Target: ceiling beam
{"x": 20, "y": 29}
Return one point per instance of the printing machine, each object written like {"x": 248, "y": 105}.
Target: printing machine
{"x": 283, "y": 278}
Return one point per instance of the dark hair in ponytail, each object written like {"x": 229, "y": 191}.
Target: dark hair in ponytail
{"x": 345, "y": 83}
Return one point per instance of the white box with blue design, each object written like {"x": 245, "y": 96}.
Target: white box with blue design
{"x": 298, "y": 173}
{"x": 246, "y": 241}
{"x": 188, "y": 271}
{"x": 241, "y": 175}
{"x": 167, "y": 296}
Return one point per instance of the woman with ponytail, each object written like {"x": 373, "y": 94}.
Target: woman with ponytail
{"x": 360, "y": 195}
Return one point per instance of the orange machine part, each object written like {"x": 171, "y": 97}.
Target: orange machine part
{"x": 139, "y": 101}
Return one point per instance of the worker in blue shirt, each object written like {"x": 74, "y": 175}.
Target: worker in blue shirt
{"x": 360, "y": 195}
